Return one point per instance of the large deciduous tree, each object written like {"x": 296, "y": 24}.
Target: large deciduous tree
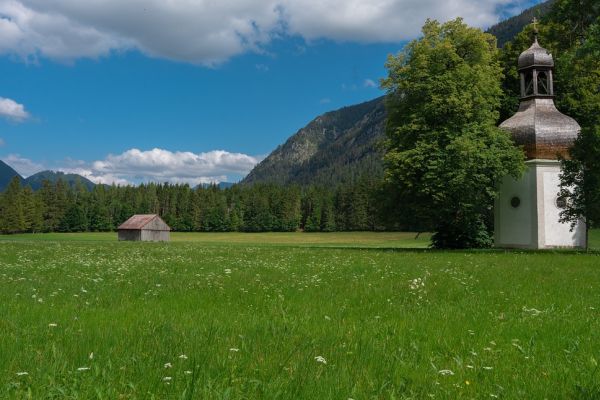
{"x": 445, "y": 155}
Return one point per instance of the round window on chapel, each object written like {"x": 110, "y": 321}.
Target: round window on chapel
{"x": 561, "y": 202}
{"x": 515, "y": 202}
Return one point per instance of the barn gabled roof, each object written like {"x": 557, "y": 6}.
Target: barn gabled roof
{"x": 139, "y": 221}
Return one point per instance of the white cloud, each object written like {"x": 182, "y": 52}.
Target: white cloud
{"x": 262, "y": 67}
{"x": 158, "y": 165}
{"x": 369, "y": 83}
{"x": 12, "y": 110}
{"x": 325, "y": 100}
{"x": 210, "y": 32}
{"x": 23, "y": 166}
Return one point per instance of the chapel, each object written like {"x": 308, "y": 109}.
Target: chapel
{"x": 527, "y": 211}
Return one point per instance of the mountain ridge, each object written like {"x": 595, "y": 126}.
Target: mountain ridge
{"x": 7, "y": 173}
{"x": 36, "y": 180}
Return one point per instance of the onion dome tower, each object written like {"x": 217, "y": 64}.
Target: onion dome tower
{"x": 527, "y": 211}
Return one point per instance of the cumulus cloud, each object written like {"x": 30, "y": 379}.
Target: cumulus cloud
{"x": 159, "y": 165}
{"x": 210, "y": 32}
{"x": 23, "y": 166}
{"x": 12, "y": 110}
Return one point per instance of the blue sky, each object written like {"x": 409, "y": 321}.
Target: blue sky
{"x": 185, "y": 91}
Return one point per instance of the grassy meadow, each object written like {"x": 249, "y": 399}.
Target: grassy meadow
{"x": 294, "y": 316}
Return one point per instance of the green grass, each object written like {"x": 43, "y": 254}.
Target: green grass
{"x": 252, "y": 314}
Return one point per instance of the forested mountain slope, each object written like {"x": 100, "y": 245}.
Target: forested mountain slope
{"x": 507, "y": 29}
{"x": 336, "y": 147}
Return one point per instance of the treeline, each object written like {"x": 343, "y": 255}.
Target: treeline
{"x": 56, "y": 207}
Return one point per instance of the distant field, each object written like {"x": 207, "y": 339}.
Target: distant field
{"x": 346, "y": 239}
{"x": 294, "y": 316}
{"x": 342, "y": 239}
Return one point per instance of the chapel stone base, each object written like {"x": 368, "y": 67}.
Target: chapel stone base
{"x": 526, "y": 213}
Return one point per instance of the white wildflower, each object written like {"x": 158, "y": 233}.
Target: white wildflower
{"x": 488, "y": 368}
{"x": 445, "y": 372}
{"x": 227, "y": 271}
{"x": 168, "y": 365}
{"x": 91, "y": 356}
{"x": 416, "y": 284}
{"x": 183, "y": 357}
{"x": 22, "y": 373}
{"x": 167, "y": 378}
{"x": 52, "y": 325}
{"x": 188, "y": 372}
{"x": 83, "y": 368}
{"x": 321, "y": 359}
{"x": 234, "y": 349}
{"x": 532, "y": 311}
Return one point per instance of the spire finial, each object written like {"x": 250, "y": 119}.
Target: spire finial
{"x": 535, "y": 28}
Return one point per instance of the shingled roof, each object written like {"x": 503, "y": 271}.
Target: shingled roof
{"x": 139, "y": 221}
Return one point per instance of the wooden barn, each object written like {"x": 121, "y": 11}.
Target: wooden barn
{"x": 146, "y": 228}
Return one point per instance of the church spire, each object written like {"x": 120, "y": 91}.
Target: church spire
{"x": 535, "y": 69}
{"x": 542, "y": 130}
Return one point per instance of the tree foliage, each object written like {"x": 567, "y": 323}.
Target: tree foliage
{"x": 445, "y": 156}
{"x": 580, "y": 177}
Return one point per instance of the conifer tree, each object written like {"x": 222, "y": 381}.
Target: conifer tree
{"x": 13, "y": 215}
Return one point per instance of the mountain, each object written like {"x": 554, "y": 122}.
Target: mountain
{"x": 6, "y": 175}
{"x": 35, "y": 180}
{"x": 225, "y": 185}
{"x": 220, "y": 185}
{"x": 508, "y": 29}
{"x": 344, "y": 145}
{"x": 336, "y": 147}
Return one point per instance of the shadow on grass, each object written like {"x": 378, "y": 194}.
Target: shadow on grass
{"x": 455, "y": 251}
